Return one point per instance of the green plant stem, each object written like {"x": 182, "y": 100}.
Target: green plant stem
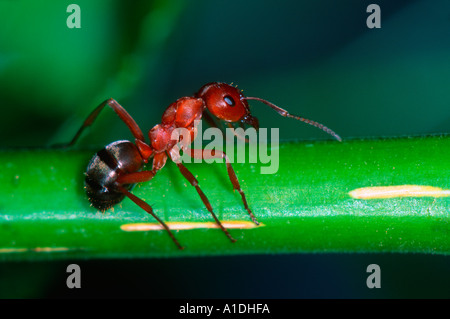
{"x": 305, "y": 207}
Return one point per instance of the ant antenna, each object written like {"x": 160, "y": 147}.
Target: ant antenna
{"x": 285, "y": 113}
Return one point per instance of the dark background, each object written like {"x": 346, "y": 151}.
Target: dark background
{"x": 317, "y": 59}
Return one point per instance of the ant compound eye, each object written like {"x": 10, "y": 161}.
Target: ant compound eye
{"x": 229, "y": 100}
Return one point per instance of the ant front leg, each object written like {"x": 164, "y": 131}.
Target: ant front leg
{"x": 174, "y": 155}
{"x": 124, "y": 116}
{"x": 209, "y": 119}
{"x": 210, "y": 154}
{"x": 212, "y": 123}
{"x": 238, "y": 136}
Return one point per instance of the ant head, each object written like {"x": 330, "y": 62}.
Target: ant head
{"x": 227, "y": 103}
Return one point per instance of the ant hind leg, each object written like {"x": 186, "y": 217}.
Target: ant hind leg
{"x": 120, "y": 111}
{"x": 149, "y": 210}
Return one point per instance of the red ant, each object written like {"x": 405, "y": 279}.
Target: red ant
{"x": 114, "y": 169}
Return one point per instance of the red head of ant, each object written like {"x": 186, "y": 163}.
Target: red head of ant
{"x": 114, "y": 169}
{"x": 227, "y": 103}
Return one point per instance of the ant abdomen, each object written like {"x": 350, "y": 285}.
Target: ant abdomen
{"x": 114, "y": 160}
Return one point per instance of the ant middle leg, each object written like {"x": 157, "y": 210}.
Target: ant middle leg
{"x": 194, "y": 182}
{"x": 210, "y": 154}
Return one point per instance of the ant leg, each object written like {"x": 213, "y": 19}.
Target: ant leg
{"x": 136, "y": 177}
{"x": 124, "y": 116}
{"x": 244, "y": 139}
{"x": 159, "y": 160}
{"x": 210, "y": 120}
{"x": 212, "y": 123}
{"x": 210, "y": 154}
{"x": 194, "y": 182}
{"x": 144, "y": 176}
{"x": 139, "y": 177}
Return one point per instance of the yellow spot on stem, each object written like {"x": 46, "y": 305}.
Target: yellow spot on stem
{"x": 399, "y": 191}
{"x": 50, "y": 249}
{"x": 12, "y": 250}
{"x": 188, "y": 225}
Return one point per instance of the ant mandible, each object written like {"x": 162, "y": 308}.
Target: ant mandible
{"x": 113, "y": 170}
